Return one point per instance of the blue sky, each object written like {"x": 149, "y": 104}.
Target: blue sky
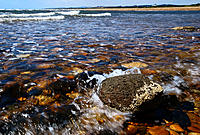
{"x": 27, "y": 4}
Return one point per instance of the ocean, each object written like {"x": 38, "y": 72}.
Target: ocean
{"x": 38, "y": 47}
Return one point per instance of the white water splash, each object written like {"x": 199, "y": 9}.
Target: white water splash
{"x": 69, "y": 13}
{"x": 27, "y": 15}
{"x": 116, "y": 72}
{"x": 96, "y": 15}
{"x": 32, "y": 18}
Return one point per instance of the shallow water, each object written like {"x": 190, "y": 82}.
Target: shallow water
{"x": 34, "y": 53}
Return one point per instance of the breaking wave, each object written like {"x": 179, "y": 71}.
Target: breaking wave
{"x": 96, "y": 15}
{"x": 69, "y": 13}
{"x": 32, "y": 18}
{"x": 27, "y": 15}
{"x": 72, "y": 13}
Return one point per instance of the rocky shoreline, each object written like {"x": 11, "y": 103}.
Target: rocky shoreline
{"x": 65, "y": 98}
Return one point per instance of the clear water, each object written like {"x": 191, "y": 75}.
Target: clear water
{"x": 35, "y": 49}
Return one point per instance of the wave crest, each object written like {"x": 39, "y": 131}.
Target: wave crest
{"x": 27, "y": 15}
{"x": 32, "y": 18}
{"x": 69, "y": 13}
{"x": 96, "y": 15}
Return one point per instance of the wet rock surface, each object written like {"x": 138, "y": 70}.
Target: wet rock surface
{"x": 128, "y": 92}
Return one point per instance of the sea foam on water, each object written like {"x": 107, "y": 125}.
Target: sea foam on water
{"x": 56, "y": 15}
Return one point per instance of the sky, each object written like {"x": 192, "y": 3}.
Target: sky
{"x": 37, "y": 4}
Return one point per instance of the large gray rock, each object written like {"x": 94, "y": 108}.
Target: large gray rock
{"x": 128, "y": 92}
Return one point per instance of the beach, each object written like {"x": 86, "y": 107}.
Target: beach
{"x": 197, "y": 8}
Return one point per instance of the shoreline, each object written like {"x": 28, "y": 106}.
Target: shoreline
{"x": 196, "y": 8}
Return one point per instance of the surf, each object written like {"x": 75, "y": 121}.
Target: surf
{"x": 96, "y": 15}
{"x": 32, "y": 18}
{"x": 69, "y": 13}
{"x": 27, "y": 15}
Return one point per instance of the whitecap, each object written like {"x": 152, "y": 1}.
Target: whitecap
{"x": 3, "y": 15}
{"x": 96, "y": 15}
{"x": 32, "y": 18}
{"x": 27, "y": 15}
{"x": 69, "y": 13}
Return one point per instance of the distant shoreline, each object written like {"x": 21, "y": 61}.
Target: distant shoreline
{"x": 194, "y": 8}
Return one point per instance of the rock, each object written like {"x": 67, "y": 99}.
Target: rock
{"x": 63, "y": 86}
{"x": 11, "y": 92}
{"x": 106, "y": 132}
{"x": 134, "y": 64}
{"x": 196, "y": 125}
{"x": 176, "y": 127}
{"x": 148, "y": 71}
{"x": 128, "y": 92}
{"x": 34, "y": 92}
{"x": 45, "y": 65}
{"x": 186, "y": 28}
{"x": 173, "y": 132}
{"x": 193, "y": 133}
{"x": 163, "y": 77}
{"x": 41, "y": 117}
{"x": 193, "y": 129}
{"x": 193, "y": 117}
{"x": 83, "y": 81}
{"x": 44, "y": 100}
{"x": 158, "y": 130}
{"x": 131, "y": 130}
{"x": 77, "y": 70}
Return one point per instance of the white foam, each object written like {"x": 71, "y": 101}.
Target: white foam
{"x": 1, "y": 90}
{"x": 96, "y": 15}
{"x": 169, "y": 88}
{"x": 193, "y": 69}
{"x": 8, "y": 54}
{"x": 24, "y": 51}
{"x": 13, "y": 59}
{"x": 25, "y": 115}
{"x": 60, "y": 76}
{"x": 40, "y": 58}
{"x": 69, "y": 13}
{"x": 32, "y": 18}
{"x": 51, "y": 129}
{"x": 173, "y": 86}
{"x": 50, "y": 38}
{"x": 116, "y": 72}
{"x": 27, "y": 15}
{"x": 89, "y": 120}
{"x": 3, "y": 15}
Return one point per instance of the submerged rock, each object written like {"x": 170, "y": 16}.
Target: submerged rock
{"x": 10, "y": 93}
{"x": 186, "y": 28}
{"x": 128, "y": 92}
{"x": 63, "y": 86}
